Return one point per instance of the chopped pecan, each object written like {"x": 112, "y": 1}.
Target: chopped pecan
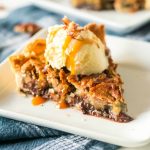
{"x": 29, "y": 28}
{"x": 2, "y": 7}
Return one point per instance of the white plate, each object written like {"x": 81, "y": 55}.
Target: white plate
{"x": 134, "y": 66}
{"x": 114, "y": 21}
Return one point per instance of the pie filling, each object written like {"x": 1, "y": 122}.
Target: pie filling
{"x": 98, "y": 94}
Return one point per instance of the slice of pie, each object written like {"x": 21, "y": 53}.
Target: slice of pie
{"x": 73, "y": 67}
{"x": 129, "y": 5}
{"x": 93, "y": 4}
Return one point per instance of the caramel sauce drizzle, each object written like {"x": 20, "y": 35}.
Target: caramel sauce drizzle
{"x": 36, "y": 47}
{"x": 38, "y": 100}
{"x": 39, "y": 46}
{"x": 62, "y": 104}
{"x": 70, "y": 62}
{"x": 53, "y": 33}
{"x": 66, "y": 44}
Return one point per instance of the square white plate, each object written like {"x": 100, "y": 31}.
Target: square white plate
{"x": 114, "y": 21}
{"x": 134, "y": 67}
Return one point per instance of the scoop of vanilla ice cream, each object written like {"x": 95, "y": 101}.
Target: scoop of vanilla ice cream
{"x": 84, "y": 54}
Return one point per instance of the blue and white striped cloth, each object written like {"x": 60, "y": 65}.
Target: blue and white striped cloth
{"x": 15, "y": 135}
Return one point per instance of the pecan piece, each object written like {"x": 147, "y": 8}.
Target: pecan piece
{"x": 29, "y": 28}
